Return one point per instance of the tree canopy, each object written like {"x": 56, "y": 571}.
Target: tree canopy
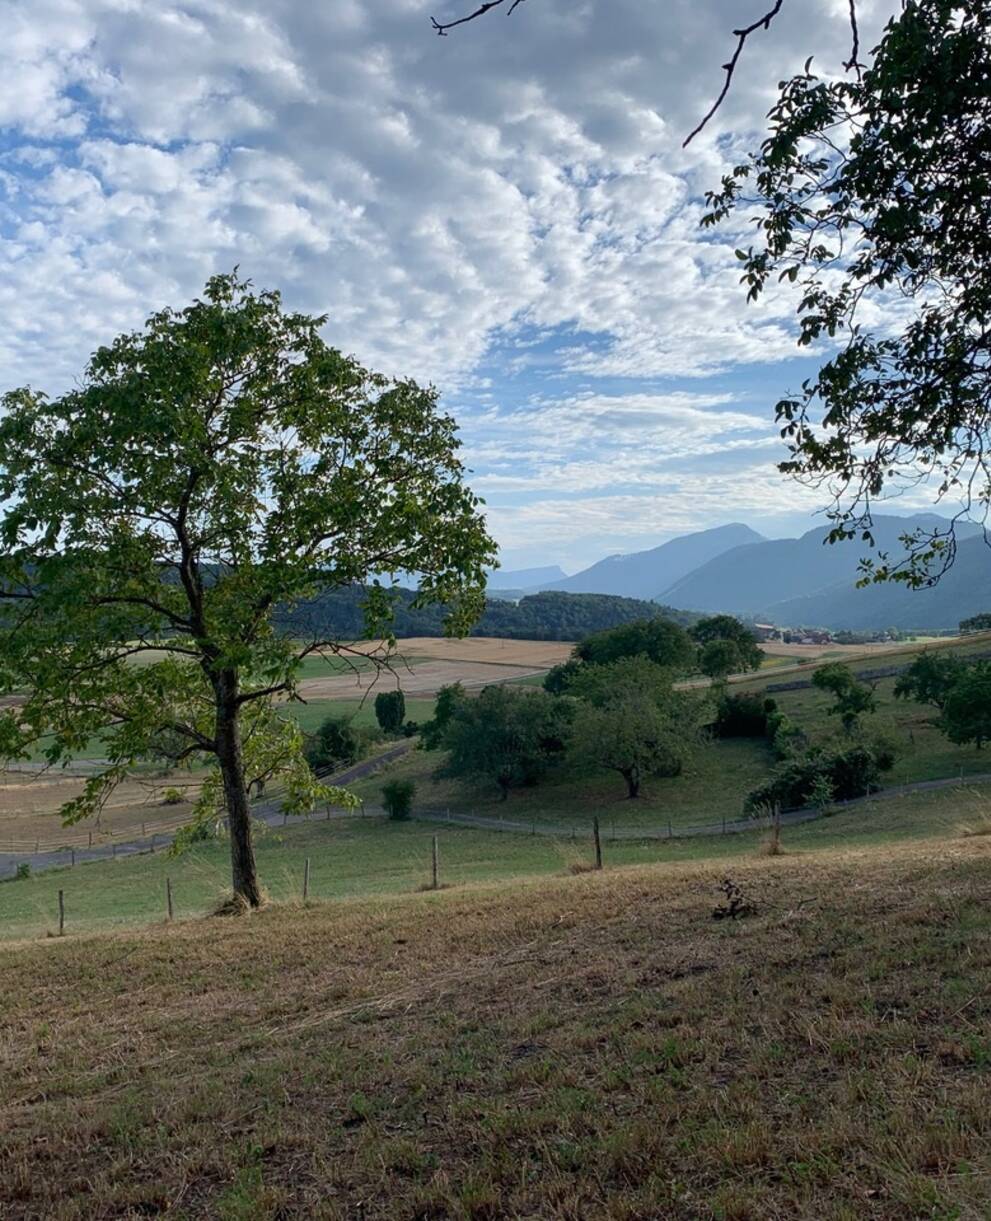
{"x": 853, "y": 698}
{"x": 726, "y": 646}
{"x": 508, "y": 735}
{"x": 871, "y": 193}
{"x": 930, "y": 678}
{"x": 629, "y": 720}
{"x": 967, "y": 709}
{"x": 219, "y": 464}
{"x": 659, "y": 640}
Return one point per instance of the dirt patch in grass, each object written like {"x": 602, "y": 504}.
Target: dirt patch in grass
{"x": 590, "y": 1046}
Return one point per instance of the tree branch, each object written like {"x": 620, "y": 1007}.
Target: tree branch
{"x": 443, "y": 26}
{"x": 729, "y": 68}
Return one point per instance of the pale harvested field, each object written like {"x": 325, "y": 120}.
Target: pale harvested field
{"x": 29, "y": 806}
{"x": 774, "y": 648}
{"x": 475, "y": 662}
{"x": 533, "y": 654}
{"x": 425, "y": 679}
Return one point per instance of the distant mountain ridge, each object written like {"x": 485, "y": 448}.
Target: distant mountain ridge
{"x": 804, "y": 581}
{"x": 964, "y": 590}
{"x": 644, "y": 574}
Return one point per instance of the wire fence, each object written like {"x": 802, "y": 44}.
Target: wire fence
{"x": 157, "y": 836}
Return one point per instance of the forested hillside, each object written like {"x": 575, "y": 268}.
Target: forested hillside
{"x": 545, "y": 616}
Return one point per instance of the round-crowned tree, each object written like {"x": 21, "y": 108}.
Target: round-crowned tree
{"x": 208, "y": 473}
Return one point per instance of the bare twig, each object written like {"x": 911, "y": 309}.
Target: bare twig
{"x": 730, "y": 67}
{"x": 443, "y": 26}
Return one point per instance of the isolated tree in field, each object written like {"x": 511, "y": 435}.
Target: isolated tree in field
{"x": 930, "y": 678}
{"x": 629, "y": 720}
{"x": 508, "y": 735}
{"x": 871, "y": 193}
{"x": 209, "y": 473}
{"x": 390, "y": 710}
{"x": 852, "y": 698}
{"x": 659, "y": 640}
{"x": 336, "y": 744}
{"x": 726, "y": 646}
{"x": 967, "y": 710}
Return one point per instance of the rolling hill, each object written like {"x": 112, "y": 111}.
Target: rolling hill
{"x": 645, "y": 573}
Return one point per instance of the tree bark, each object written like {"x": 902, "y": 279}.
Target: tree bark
{"x": 244, "y": 873}
{"x": 632, "y": 777}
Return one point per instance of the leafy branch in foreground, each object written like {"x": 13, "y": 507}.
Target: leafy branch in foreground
{"x": 161, "y": 521}
{"x": 872, "y": 195}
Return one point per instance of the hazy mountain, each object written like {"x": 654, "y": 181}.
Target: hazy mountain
{"x": 963, "y": 591}
{"x": 758, "y": 578}
{"x": 525, "y": 578}
{"x": 645, "y": 573}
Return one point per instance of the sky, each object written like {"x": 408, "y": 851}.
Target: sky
{"x": 506, "y": 213}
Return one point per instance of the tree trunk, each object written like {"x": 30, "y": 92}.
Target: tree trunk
{"x": 632, "y": 777}
{"x": 244, "y": 873}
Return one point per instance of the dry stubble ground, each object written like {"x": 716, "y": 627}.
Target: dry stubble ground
{"x": 592, "y": 1046}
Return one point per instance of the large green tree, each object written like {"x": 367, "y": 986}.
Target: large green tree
{"x": 208, "y": 473}
{"x": 629, "y": 720}
{"x": 726, "y": 646}
{"x": 930, "y": 678}
{"x": 507, "y": 735}
{"x": 871, "y": 193}
{"x": 658, "y": 640}
{"x": 967, "y": 710}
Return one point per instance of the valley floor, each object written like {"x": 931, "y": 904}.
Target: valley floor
{"x": 557, "y": 1047}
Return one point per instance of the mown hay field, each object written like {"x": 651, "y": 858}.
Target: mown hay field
{"x": 562, "y": 1047}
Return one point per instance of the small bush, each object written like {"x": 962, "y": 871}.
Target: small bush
{"x": 23, "y": 871}
{"x": 743, "y": 716}
{"x": 337, "y": 744}
{"x": 397, "y": 798}
{"x": 410, "y": 729}
{"x": 172, "y": 797}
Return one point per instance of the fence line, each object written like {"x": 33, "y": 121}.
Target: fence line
{"x": 271, "y": 813}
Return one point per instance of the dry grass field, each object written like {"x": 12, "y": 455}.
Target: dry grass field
{"x": 29, "y": 805}
{"x": 424, "y": 664}
{"x": 573, "y": 1047}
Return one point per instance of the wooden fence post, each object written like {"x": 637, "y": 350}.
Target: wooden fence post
{"x": 598, "y": 842}
{"x": 435, "y": 884}
{"x": 73, "y": 851}
{"x": 168, "y": 897}
{"x": 306, "y": 879}
{"x": 61, "y": 913}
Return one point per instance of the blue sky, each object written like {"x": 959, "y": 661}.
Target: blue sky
{"x": 506, "y": 213}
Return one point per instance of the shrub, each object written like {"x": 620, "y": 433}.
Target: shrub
{"x": 336, "y": 744}
{"x": 397, "y": 798}
{"x": 410, "y": 729}
{"x": 818, "y": 778}
{"x": 172, "y": 797}
{"x": 23, "y": 871}
{"x": 743, "y": 716}
{"x": 390, "y": 710}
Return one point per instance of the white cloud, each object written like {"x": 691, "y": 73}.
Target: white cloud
{"x": 524, "y": 176}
